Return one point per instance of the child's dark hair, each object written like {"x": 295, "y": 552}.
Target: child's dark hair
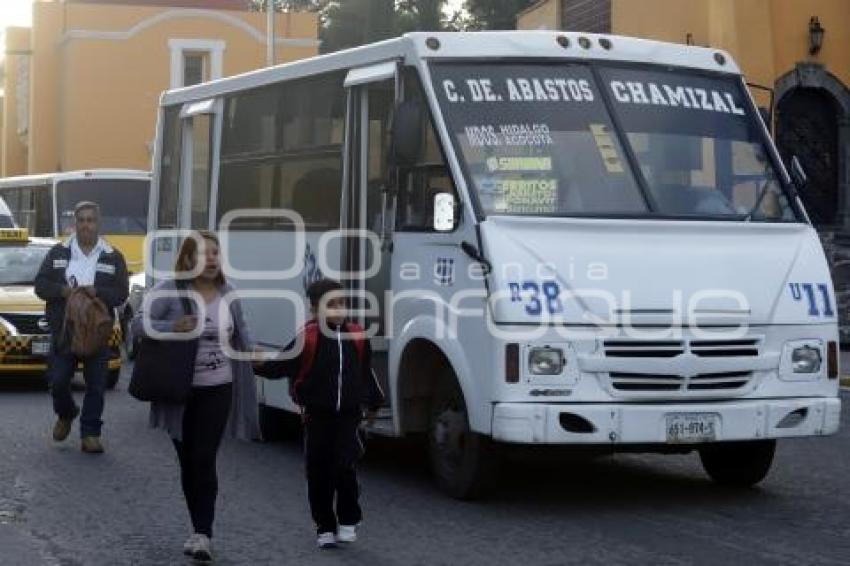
{"x": 320, "y": 288}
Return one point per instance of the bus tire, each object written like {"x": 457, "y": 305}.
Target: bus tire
{"x": 463, "y": 462}
{"x": 277, "y": 425}
{"x": 112, "y": 378}
{"x": 738, "y": 464}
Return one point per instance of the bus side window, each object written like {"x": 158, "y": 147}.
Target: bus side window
{"x": 43, "y": 212}
{"x": 12, "y": 197}
{"x": 169, "y": 170}
{"x": 314, "y": 195}
{"x": 282, "y": 149}
{"x": 429, "y": 176}
{"x": 201, "y": 170}
{"x": 22, "y": 203}
{"x": 381, "y": 104}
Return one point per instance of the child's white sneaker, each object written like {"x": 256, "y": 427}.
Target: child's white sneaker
{"x": 347, "y": 533}
{"x": 189, "y": 545}
{"x": 326, "y": 540}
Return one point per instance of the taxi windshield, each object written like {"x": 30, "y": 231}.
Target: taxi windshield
{"x": 19, "y": 264}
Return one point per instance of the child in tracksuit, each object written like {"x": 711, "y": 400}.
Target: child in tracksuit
{"x": 331, "y": 380}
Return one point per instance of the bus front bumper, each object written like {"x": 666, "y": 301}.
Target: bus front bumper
{"x": 665, "y": 423}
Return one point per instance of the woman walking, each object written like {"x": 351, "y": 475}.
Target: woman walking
{"x": 223, "y": 395}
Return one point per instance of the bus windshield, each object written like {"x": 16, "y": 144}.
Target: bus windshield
{"x": 123, "y": 204}
{"x": 538, "y": 139}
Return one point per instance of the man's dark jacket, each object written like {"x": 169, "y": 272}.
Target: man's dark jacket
{"x": 110, "y": 282}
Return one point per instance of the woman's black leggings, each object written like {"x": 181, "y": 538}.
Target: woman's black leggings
{"x": 204, "y": 421}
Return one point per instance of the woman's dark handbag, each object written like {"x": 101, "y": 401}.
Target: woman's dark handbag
{"x": 164, "y": 368}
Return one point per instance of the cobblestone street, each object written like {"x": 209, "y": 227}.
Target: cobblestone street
{"x": 61, "y": 507}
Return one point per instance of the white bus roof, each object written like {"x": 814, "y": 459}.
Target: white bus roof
{"x": 477, "y": 45}
{"x": 45, "y": 178}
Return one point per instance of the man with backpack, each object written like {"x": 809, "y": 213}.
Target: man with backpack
{"x": 82, "y": 280}
{"x": 332, "y": 381}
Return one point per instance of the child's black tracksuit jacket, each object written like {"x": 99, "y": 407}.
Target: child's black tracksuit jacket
{"x": 333, "y": 389}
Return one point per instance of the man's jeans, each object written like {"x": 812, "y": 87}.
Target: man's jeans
{"x": 62, "y": 366}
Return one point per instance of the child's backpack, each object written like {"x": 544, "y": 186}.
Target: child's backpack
{"x": 311, "y": 342}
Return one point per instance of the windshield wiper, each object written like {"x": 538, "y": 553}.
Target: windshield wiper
{"x": 762, "y": 192}
{"x": 757, "y": 205}
{"x": 10, "y": 283}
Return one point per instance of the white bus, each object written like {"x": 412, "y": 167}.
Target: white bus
{"x": 44, "y": 205}
{"x": 576, "y": 239}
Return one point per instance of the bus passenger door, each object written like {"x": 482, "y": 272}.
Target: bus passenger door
{"x": 199, "y": 124}
{"x": 370, "y": 201}
{"x": 186, "y": 176}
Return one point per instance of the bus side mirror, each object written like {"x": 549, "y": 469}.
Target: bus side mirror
{"x": 406, "y": 134}
{"x": 444, "y": 212}
{"x": 798, "y": 174}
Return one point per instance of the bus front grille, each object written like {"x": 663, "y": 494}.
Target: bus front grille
{"x": 691, "y": 367}
{"x": 645, "y": 382}
{"x": 725, "y": 348}
{"x": 643, "y": 348}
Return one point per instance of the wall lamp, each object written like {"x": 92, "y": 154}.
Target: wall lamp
{"x": 816, "y": 32}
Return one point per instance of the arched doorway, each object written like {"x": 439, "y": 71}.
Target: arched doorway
{"x": 807, "y": 126}
{"x": 813, "y": 123}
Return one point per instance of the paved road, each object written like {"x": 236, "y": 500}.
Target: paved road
{"x": 61, "y": 507}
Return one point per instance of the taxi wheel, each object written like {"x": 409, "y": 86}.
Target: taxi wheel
{"x": 112, "y": 378}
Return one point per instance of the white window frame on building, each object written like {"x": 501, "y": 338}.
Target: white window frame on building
{"x": 211, "y": 49}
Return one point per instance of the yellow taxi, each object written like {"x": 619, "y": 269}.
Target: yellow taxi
{"x": 24, "y": 331}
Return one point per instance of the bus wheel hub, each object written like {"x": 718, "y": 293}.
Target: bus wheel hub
{"x": 449, "y": 431}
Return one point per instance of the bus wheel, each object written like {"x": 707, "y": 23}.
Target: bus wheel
{"x": 277, "y": 425}
{"x": 463, "y": 462}
{"x": 738, "y": 464}
{"x": 112, "y": 378}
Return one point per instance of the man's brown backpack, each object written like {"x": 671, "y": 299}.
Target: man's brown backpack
{"x": 88, "y": 324}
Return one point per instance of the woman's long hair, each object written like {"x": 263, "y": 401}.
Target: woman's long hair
{"x": 187, "y": 258}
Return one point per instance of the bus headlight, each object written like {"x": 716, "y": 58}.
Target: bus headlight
{"x": 545, "y": 361}
{"x": 806, "y": 359}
